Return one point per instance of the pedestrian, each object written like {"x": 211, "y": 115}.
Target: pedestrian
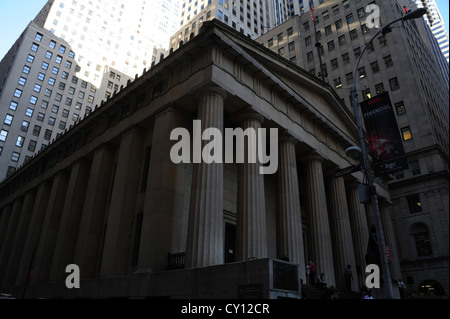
{"x": 308, "y": 273}
{"x": 348, "y": 278}
{"x": 312, "y": 273}
{"x": 321, "y": 281}
{"x": 401, "y": 287}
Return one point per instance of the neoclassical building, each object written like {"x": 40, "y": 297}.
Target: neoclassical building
{"x": 107, "y": 196}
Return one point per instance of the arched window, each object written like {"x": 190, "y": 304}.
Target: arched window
{"x": 422, "y": 239}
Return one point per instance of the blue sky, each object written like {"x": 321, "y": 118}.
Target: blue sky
{"x": 16, "y": 14}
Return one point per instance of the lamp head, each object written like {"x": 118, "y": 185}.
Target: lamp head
{"x": 415, "y": 14}
{"x": 354, "y": 152}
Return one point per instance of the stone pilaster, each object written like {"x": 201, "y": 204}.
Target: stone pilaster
{"x": 251, "y": 210}
{"x": 122, "y": 207}
{"x": 19, "y": 238}
{"x": 70, "y": 220}
{"x": 11, "y": 230}
{"x": 290, "y": 238}
{"x": 389, "y": 238}
{"x": 50, "y": 227}
{"x": 95, "y": 207}
{"x": 342, "y": 240}
{"x": 319, "y": 228}
{"x": 162, "y": 219}
{"x": 34, "y": 232}
{"x": 205, "y": 244}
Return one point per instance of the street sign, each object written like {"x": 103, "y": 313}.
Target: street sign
{"x": 348, "y": 170}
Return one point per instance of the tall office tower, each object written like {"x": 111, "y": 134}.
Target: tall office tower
{"x": 436, "y": 23}
{"x": 71, "y": 57}
{"x": 402, "y": 64}
{"x": 252, "y": 18}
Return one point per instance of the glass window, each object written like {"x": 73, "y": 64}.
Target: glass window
{"x": 44, "y": 65}
{"x": 52, "y": 81}
{"x": 3, "y": 135}
{"x": 34, "y": 47}
{"x": 394, "y": 84}
{"x": 32, "y": 146}
{"x": 421, "y": 237}
{"x": 37, "y": 88}
{"x": 41, "y": 76}
{"x": 55, "y": 70}
{"x": 414, "y": 167}
{"x": 48, "y": 135}
{"x": 26, "y": 69}
{"x": 30, "y": 58}
{"x": 8, "y": 119}
{"x": 58, "y": 59}
{"x": 25, "y": 126}
{"x": 22, "y": 81}
{"x": 20, "y": 140}
{"x": 52, "y": 44}
{"x": 13, "y": 105}
{"x": 17, "y": 93}
{"x": 38, "y": 37}
{"x": 15, "y": 157}
{"x": 62, "y": 49}
{"x": 400, "y": 108}
{"x": 33, "y": 100}
{"x": 48, "y": 55}
{"x": 29, "y": 112}
{"x": 406, "y": 133}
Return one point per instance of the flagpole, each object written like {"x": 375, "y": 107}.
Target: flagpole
{"x": 317, "y": 44}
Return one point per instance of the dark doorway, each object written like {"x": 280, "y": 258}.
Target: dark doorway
{"x": 230, "y": 242}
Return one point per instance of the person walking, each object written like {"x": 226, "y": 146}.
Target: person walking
{"x": 312, "y": 273}
{"x": 348, "y": 278}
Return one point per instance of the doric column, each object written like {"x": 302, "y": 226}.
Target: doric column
{"x": 50, "y": 227}
{"x": 205, "y": 229}
{"x": 122, "y": 207}
{"x": 4, "y": 222}
{"x": 290, "y": 238}
{"x": 343, "y": 252}
{"x": 11, "y": 230}
{"x": 19, "y": 238}
{"x": 70, "y": 220}
{"x": 34, "y": 231}
{"x": 360, "y": 230}
{"x": 163, "y": 218}
{"x": 95, "y": 206}
{"x": 251, "y": 209}
{"x": 318, "y": 229}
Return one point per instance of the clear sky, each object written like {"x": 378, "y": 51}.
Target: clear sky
{"x": 16, "y": 14}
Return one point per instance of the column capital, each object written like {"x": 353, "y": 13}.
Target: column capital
{"x": 211, "y": 89}
{"x": 247, "y": 114}
{"x": 312, "y": 156}
{"x": 287, "y": 137}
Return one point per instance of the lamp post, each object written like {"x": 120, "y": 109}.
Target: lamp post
{"x": 353, "y": 153}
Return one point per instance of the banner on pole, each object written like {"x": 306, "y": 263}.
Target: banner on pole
{"x": 385, "y": 144}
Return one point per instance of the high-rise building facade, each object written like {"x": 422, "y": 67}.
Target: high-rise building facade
{"x": 73, "y": 56}
{"x": 400, "y": 62}
{"x": 436, "y": 23}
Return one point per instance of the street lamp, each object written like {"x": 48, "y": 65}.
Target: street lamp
{"x": 353, "y": 153}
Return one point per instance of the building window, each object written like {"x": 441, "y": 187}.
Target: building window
{"x": 41, "y": 76}
{"x": 33, "y": 100}
{"x": 25, "y": 126}
{"x": 3, "y": 135}
{"x": 400, "y": 108}
{"x": 17, "y": 93}
{"x": 361, "y": 13}
{"x": 342, "y": 40}
{"x": 32, "y": 146}
{"x": 48, "y": 55}
{"x": 406, "y": 133}
{"x": 22, "y": 81}
{"x": 346, "y": 58}
{"x": 38, "y": 37}
{"x": 290, "y": 31}
{"x": 48, "y": 135}
{"x": 15, "y": 157}
{"x": 388, "y": 61}
{"x": 365, "y": 29}
{"x": 51, "y": 121}
{"x": 308, "y": 41}
{"x": 30, "y": 58}
{"x": 55, "y": 70}
{"x": 414, "y": 167}
{"x": 382, "y": 40}
{"x": 422, "y": 239}
{"x": 8, "y": 119}
{"x": 34, "y": 47}
{"x": 379, "y": 88}
{"x": 337, "y": 82}
{"x": 40, "y": 117}
{"x": 291, "y": 46}
{"x": 338, "y": 24}
{"x": 62, "y": 49}
{"x": 366, "y": 94}
{"x": 353, "y": 35}
{"x": 331, "y": 46}
{"x": 394, "y": 84}
{"x": 328, "y": 30}
{"x": 375, "y": 67}
{"x": 13, "y": 105}
{"x": 29, "y": 112}
{"x": 310, "y": 56}
{"x": 26, "y": 69}
{"x": 58, "y": 59}
{"x": 20, "y": 141}
{"x": 37, "y": 88}
{"x": 334, "y": 64}
{"x": 48, "y": 92}
{"x": 346, "y": 4}
{"x": 349, "y": 18}
{"x": 52, "y": 44}
{"x": 44, "y": 65}
{"x": 36, "y": 130}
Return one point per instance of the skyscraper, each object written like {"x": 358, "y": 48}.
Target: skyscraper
{"x": 436, "y": 23}
{"x": 402, "y": 63}
{"x": 74, "y": 55}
